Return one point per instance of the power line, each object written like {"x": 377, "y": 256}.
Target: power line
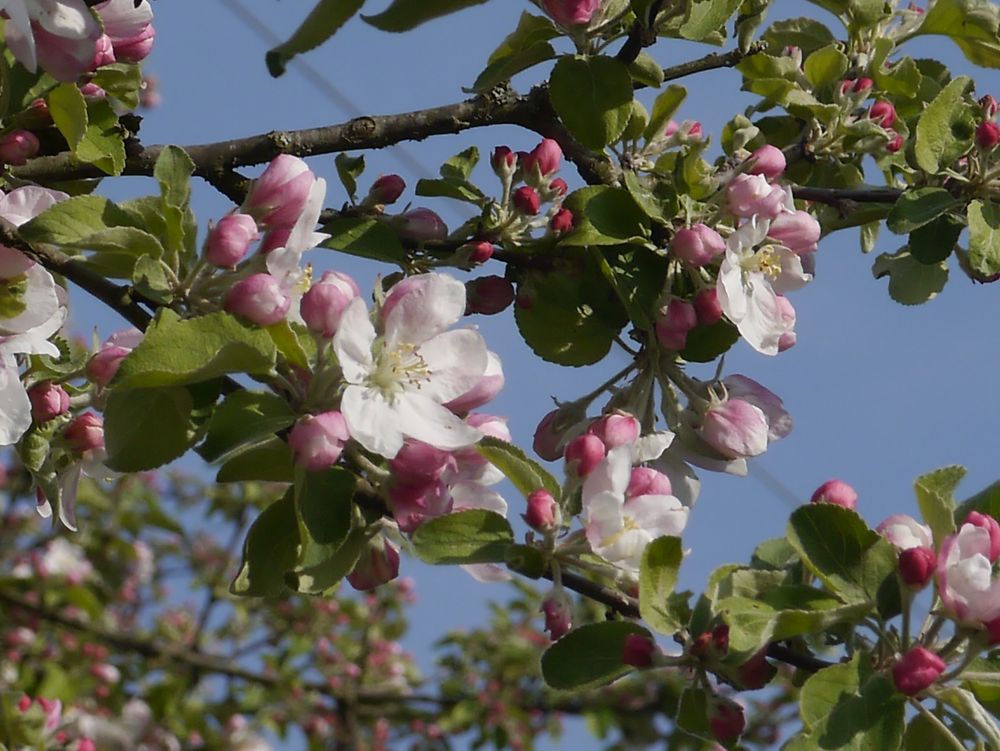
{"x": 774, "y": 485}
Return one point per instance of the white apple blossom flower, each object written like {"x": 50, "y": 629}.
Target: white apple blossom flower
{"x": 751, "y": 277}
{"x": 619, "y": 527}
{"x": 65, "y": 28}
{"x": 398, "y": 381}
{"x": 965, "y": 578}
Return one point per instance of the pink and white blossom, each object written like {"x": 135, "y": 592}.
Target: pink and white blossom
{"x": 905, "y": 532}
{"x": 59, "y": 35}
{"x": 965, "y": 578}
{"x": 754, "y": 195}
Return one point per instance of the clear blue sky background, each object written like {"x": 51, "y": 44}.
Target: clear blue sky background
{"x": 880, "y": 393}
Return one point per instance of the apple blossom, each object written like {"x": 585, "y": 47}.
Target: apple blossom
{"x": 129, "y": 26}
{"x": 279, "y": 195}
{"x": 48, "y": 401}
{"x": 916, "y": 670}
{"x": 59, "y": 35}
{"x": 798, "y": 231}
{"x": 987, "y": 522}
{"x": 323, "y": 305}
{"x": 735, "y": 428}
{"x": 751, "y": 276}
{"x": 769, "y": 161}
{"x": 18, "y": 146}
{"x": 398, "y": 380}
{"x": 619, "y": 527}
{"x": 570, "y": 13}
{"x": 754, "y": 195}
{"x": 787, "y": 311}
{"x": 917, "y": 565}
{"x": 905, "y": 532}
{"x": 487, "y": 387}
{"x": 318, "y": 440}
{"x": 836, "y": 492}
{"x": 229, "y": 240}
{"x": 648, "y": 481}
{"x": 697, "y": 245}
{"x": 965, "y": 579}
{"x": 104, "y": 364}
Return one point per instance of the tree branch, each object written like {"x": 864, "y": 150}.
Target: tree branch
{"x": 641, "y": 35}
{"x": 712, "y": 61}
{"x": 840, "y": 196}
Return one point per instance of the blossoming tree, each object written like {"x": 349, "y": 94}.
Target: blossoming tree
{"x": 345, "y": 428}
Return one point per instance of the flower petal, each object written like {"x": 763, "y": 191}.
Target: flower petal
{"x": 372, "y": 421}
{"x": 426, "y": 306}
{"x": 456, "y": 361}
{"x": 15, "y": 409}
{"x": 425, "y": 420}
{"x": 353, "y": 342}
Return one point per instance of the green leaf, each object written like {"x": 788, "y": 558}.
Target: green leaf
{"x": 103, "y": 143}
{"x": 665, "y": 106}
{"x": 646, "y": 71}
{"x": 70, "y": 222}
{"x": 322, "y": 23}
{"x": 707, "y": 17}
{"x": 460, "y": 166}
{"x": 173, "y": 170}
{"x": 970, "y": 710}
{"x": 936, "y": 240}
{"x": 270, "y": 549}
{"x": 924, "y": 735}
{"x": 123, "y": 81}
{"x": 524, "y": 473}
{"x": 707, "y": 343}
{"x": 692, "y": 714}
{"x": 588, "y": 656}
{"x": 910, "y": 281}
{"x": 636, "y": 275}
{"x": 936, "y": 499}
{"x": 945, "y": 129}
{"x": 323, "y": 503}
{"x": 146, "y": 428}
{"x": 526, "y": 560}
{"x": 349, "y": 169}
{"x": 404, "y": 15}
{"x": 368, "y": 238}
{"x": 855, "y": 562}
{"x": 292, "y": 341}
{"x": 68, "y": 109}
{"x": 807, "y": 34}
{"x": 267, "y": 461}
{"x": 605, "y": 216}
{"x": 971, "y": 24}
{"x": 986, "y": 501}
{"x": 984, "y": 237}
{"x": 825, "y": 66}
{"x": 176, "y": 351}
{"x": 472, "y": 536}
{"x": 850, "y": 706}
{"x": 524, "y": 47}
{"x": 593, "y": 97}
{"x": 320, "y": 577}
{"x": 459, "y": 190}
{"x": 661, "y": 560}
{"x": 915, "y": 208}
{"x": 774, "y": 554}
{"x": 244, "y": 417}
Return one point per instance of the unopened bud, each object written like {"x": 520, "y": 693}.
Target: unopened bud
{"x": 583, "y": 454}
{"x": 558, "y": 188}
{"x": 987, "y": 135}
{"x": 488, "y": 295}
{"x": 85, "y": 433}
{"x": 229, "y": 240}
{"x": 990, "y": 106}
{"x": 104, "y": 52}
{"x": 697, "y": 245}
{"x": 543, "y": 512}
{"x": 895, "y": 143}
{"x": 916, "y": 566}
{"x": 883, "y": 113}
{"x": 278, "y": 196}
{"x": 551, "y": 433}
{"x": 916, "y": 670}
{"x": 421, "y": 225}
{"x": 136, "y": 48}
{"x": 647, "y": 481}
{"x": 258, "y": 298}
{"x": 323, "y": 305}
{"x": 18, "y": 146}
{"x": 546, "y": 157}
{"x": 638, "y": 651}
{"x": 479, "y": 251}
{"x": 378, "y": 564}
{"x": 558, "y": 615}
{"x": 616, "y": 429}
{"x": 386, "y": 189}
{"x": 769, "y": 161}
{"x": 836, "y": 492}
{"x": 318, "y": 440}
{"x": 707, "y": 306}
{"x": 674, "y": 323}
{"x": 503, "y": 160}
{"x": 526, "y": 200}
{"x": 48, "y": 401}
{"x": 726, "y": 720}
{"x": 562, "y": 222}
{"x": 756, "y": 672}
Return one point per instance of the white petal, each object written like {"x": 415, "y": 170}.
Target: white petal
{"x": 425, "y": 420}
{"x": 649, "y": 447}
{"x": 432, "y": 304}
{"x": 487, "y": 573}
{"x": 456, "y": 360}
{"x": 372, "y": 421}
{"x": 763, "y": 324}
{"x": 66, "y": 18}
{"x": 122, "y": 19}
{"x": 611, "y": 475}
{"x": 469, "y": 495}
{"x": 68, "y": 485}
{"x": 20, "y": 39}
{"x": 659, "y": 515}
{"x": 604, "y": 518}
{"x": 792, "y": 276}
{"x": 15, "y": 409}
{"x": 35, "y": 341}
{"x": 27, "y": 202}
{"x": 353, "y": 341}
{"x": 301, "y": 237}
{"x": 732, "y": 296}
{"x": 41, "y": 302}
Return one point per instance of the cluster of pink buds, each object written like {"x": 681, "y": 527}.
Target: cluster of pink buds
{"x": 855, "y": 91}
{"x": 520, "y": 211}
{"x": 586, "y": 451}
{"x": 988, "y": 132}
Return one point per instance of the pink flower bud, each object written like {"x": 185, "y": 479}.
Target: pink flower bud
{"x": 916, "y": 566}
{"x": 18, "y": 146}
{"x": 726, "y": 720}
{"x": 229, "y": 240}
{"x": 987, "y": 135}
{"x": 562, "y": 221}
{"x": 546, "y": 157}
{"x": 769, "y": 161}
{"x": 798, "y": 231}
{"x": 274, "y": 239}
{"x": 92, "y": 90}
{"x": 85, "y": 744}
{"x": 479, "y": 251}
{"x": 647, "y": 481}
{"x": 318, "y": 440}
{"x": 583, "y": 454}
{"x": 258, "y": 298}
{"x": 386, "y": 189}
{"x": 136, "y": 48}
{"x": 895, "y": 144}
{"x": 378, "y": 564}
{"x": 735, "y": 428}
{"x": 24, "y": 704}
{"x": 697, "y": 245}
{"x": 638, "y": 651}
{"x": 488, "y": 295}
{"x": 674, "y": 323}
{"x": 883, "y": 113}
{"x": 569, "y": 13}
{"x": 990, "y": 105}
{"x": 987, "y": 522}
{"x": 526, "y": 200}
{"x": 836, "y": 492}
{"x": 277, "y": 197}
{"x": 558, "y": 187}
{"x": 48, "y": 401}
{"x": 542, "y": 513}
{"x": 104, "y": 52}
{"x": 707, "y": 306}
{"x": 503, "y": 160}
{"x": 747, "y": 195}
{"x": 421, "y": 225}
{"x": 550, "y": 435}
{"x": 558, "y": 615}
{"x": 419, "y": 463}
{"x": 323, "y": 305}
{"x": 916, "y": 670}
{"x": 85, "y": 433}
{"x": 616, "y": 429}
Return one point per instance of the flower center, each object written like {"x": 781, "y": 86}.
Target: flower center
{"x": 628, "y": 525}
{"x": 766, "y": 260}
{"x": 398, "y": 369}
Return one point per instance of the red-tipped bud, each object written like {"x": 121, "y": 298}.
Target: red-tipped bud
{"x": 558, "y": 187}
{"x": 990, "y": 106}
{"x": 707, "y": 306}
{"x": 550, "y": 435}
{"x": 85, "y": 433}
{"x": 479, "y": 251}
{"x": 726, "y": 720}
{"x": 24, "y": 704}
{"x": 674, "y": 323}
{"x": 756, "y": 672}
{"x": 895, "y": 144}
{"x": 571, "y": 12}
{"x": 503, "y": 160}
{"x": 526, "y": 200}
{"x": 616, "y": 429}
{"x": 883, "y": 113}
{"x": 258, "y": 298}
{"x": 546, "y": 157}
{"x": 638, "y": 651}
{"x": 378, "y": 564}
{"x": 18, "y": 146}
{"x": 48, "y": 401}
{"x": 278, "y": 196}
{"x": 916, "y": 566}
{"x": 229, "y": 240}
{"x": 647, "y": 481}
{"x": 558, "y": 615}
{"x": 318, "y": 440}
{"x": 769, "y": 161}
{"x": 421, "y": 225}
{"x": 836, "y": 492}
{"x": 136, "y": 48}
{"x": 862, "y": 85}
{"x": 987, "y": 522}
{"x": 323, "y": 305}
{"x": 488, "y": 295}
{"x": 543, "y": 512}
{"x": 916, "y": 670}
{"x": 583, "y": 454}
{"x": 386, "y": 189}
{"x": 697, "y": 245}
{"x": 987, "y": 135}
{"x": 562, "y": 221}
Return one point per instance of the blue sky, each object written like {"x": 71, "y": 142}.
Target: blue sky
{"x": 880, "y": 393}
